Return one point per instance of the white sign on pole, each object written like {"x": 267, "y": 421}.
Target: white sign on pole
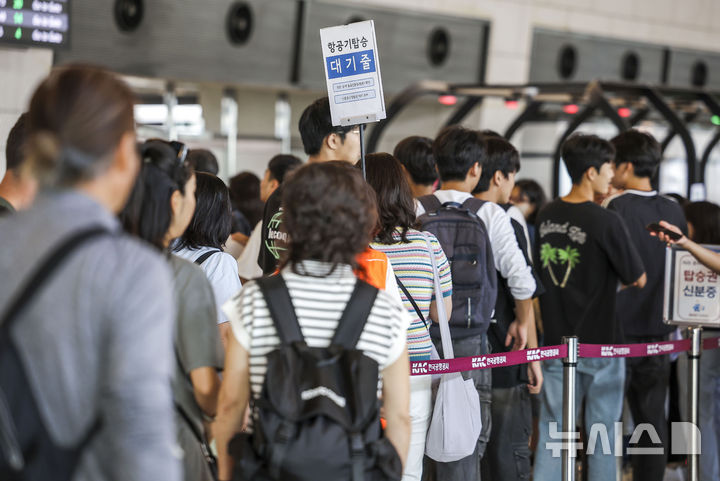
{"x": 352, "y": 72}
{"x": 692, "y": 291}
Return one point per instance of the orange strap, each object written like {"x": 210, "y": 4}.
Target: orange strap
{"x": 375, "y": 264}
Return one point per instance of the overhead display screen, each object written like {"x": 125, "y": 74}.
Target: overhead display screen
{"x": 40, "y": 23}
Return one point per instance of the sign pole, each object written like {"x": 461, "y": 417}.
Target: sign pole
{"x": 568, "y": 416}
{"x": 362, "y": 149}
{"x": 694, "y": 376}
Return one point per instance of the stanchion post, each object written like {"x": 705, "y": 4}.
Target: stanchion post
{"x": 568, "y": 427}
{"x": 694, "y": 402}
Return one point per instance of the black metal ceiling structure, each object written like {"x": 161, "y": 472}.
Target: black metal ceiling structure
{"x": 677, "y": 107}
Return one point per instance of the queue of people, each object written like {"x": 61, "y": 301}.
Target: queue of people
{"x": 134, "y": 345}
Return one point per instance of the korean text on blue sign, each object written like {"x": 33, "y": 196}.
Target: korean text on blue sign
{"x": 349, "y": 64}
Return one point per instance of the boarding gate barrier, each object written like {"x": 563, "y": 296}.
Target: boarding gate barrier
{"x": 569, "y": 351}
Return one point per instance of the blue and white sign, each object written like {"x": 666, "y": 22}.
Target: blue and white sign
{"x": 352, "y": 73}
{"x": 692, "y": 291}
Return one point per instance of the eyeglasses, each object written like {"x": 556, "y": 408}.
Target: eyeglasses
{"x": 354, "y": 130}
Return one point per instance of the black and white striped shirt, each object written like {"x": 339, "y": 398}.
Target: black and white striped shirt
{"x": 319, "y": 303}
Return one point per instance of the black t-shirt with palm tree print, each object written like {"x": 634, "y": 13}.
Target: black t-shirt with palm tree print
{"x": 583, "y": 252}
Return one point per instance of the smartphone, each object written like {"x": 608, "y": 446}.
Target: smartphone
{"x": 657, "y": 228}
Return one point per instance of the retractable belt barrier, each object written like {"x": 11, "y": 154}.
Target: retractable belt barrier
{"x": 513, "y": 358}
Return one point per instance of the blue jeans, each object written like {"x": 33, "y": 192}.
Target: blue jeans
{"x": 600, "y": 382}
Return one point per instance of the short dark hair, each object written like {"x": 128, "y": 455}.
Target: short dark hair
{"x": 501, "y": 156}
{"x": 490, "y": 133}
{"x": 202, "y": 160}
{"x": 415, "y": 153}
{"x": 705, "y": 219}
{"x": 535, "y": 195}
{"x": 678, "y": 198}
{"x": 244, "y": 186}
{"x": 395, "y": 205}
{"x": 245, "y": 196}
{"x": 281, "y": 164}
{"x": 316, "y": 123}
{"x": 582, "y": 152}
{"x": 640, "y": 149}
{"x": 15, "y": 147}
{"x": 210, "y": 225}
{"x": 148, "y": 213}
{"x": 456, "y": 149}
{"x": 328, "y": 213}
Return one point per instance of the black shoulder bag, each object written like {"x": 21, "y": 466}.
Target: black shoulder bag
{"x": 27, "y": 451}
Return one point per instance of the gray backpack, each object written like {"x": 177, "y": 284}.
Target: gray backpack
{"x": 464, "y": 238}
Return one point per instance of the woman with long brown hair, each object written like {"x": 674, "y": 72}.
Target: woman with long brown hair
{"x": 412, "y": 260}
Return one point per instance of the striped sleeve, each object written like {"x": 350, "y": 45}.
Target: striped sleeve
{"x": 443, "y": 266}
{"x": 398, "y": 322}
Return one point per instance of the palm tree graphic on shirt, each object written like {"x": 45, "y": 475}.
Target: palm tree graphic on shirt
{"x": 571, "y": 257}
{"x": 550, "y": 255}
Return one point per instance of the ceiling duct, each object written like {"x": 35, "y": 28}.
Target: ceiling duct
{"x": 412, "y": 46}
{"x": 569, "y": 57}
{"x": 694, "y": 68}
{"x": 231, "y": 41}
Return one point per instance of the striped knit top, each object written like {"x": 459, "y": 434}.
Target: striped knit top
{"x": 411, "y": 262}
{"x": 319, "y": 303}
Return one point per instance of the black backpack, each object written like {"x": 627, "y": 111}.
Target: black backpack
{"x": 201, "y": 260}
{"x": 464, "y": 238}
{"x": 318, "y": 412}
{"x": 27, "y": 451}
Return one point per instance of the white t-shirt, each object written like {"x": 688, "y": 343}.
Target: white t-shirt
{"x": 248, "y": 266}
{"x": 221, "y": 270}
{"x": 233, "y": 248}
{"x": 509, "y": 259}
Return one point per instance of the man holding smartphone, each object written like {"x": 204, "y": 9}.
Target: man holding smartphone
{"x": 639, "y": 311}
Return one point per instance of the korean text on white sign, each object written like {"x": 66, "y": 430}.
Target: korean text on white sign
{"x": 692, "y": 291}
{"x": 352, "y": 72}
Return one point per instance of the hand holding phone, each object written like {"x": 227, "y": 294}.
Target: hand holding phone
{"x": 656, "y": 228}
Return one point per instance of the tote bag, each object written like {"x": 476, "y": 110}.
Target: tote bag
{"x": 456, "y": 423}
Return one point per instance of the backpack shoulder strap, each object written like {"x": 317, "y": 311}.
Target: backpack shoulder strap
{"x": 282, "y": 312}
{"x": 412, "y": 300}
{"x": 430, "y": 203}
{"x": 201, "y": 260}
{"x": 473, "y": 205}
{"x": 44, "y": 271}
{"x": 355, "y": 315}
